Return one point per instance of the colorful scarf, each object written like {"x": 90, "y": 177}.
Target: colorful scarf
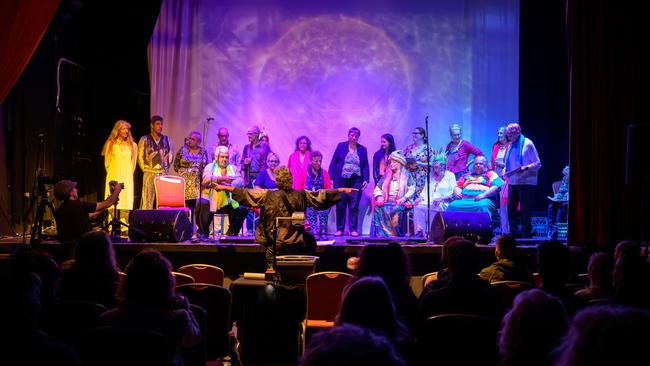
{"x": 520, "y": 145}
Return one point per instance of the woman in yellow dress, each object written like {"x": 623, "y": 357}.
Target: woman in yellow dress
{"x": 120, "y": 155}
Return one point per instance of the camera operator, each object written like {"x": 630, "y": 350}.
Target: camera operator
{"x": 73, "y": 216}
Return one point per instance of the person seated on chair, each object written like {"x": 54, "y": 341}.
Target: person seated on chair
{"x": 220, "y": 172}
{"x": 441, "y": 189}
{"x": 506, "y": 268}
{"x": 475, "y": 190}
{"x": 73, "y": 216}
{"x": 557, "y": 209}
{"x": 283, "y": 203}
{"x": 393, "y": 196}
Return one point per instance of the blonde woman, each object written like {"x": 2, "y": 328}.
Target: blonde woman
{"x": 120, "y": 155}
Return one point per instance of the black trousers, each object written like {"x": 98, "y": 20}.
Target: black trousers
{"x": 203, "y": 215}
{"x": 348, "y": 202}
{"x": 520, "y": 196}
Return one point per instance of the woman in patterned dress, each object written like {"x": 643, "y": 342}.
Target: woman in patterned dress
{"x": 418, "y": 151}
{"x": 189, "y": 163}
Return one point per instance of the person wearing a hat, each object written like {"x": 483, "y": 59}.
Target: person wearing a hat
{"x": 393, "y": 196}
{"x": 73, "y": 216}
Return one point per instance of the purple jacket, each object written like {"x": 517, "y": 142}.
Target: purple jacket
{"x": 459, "y": 162}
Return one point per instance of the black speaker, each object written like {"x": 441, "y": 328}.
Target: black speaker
{"x": 474, "y": 226}
{"x": 160, "y": 226}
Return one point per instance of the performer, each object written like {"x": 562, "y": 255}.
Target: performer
{"x": 557, "y": 209}
{"x": 283, "y": 203}
{"x": 220, "y": 171}
{"x": 393, "y": 196}
{"x": 155, "y": 155}
{"x": 316, "y": 179}
{"x": 233, "y": 150}
{"x": 253, "y": 161}
{"x": 299, "y": 160}
{"x": 380, "y": 158}
{"x": 418, "y": 152}
{"x": 266, "y": 178}
{"x": 522, "y": 164}
{"x": 349, "y": 168}
{"x": 120, "y": 156}
{"x": 189, "y": 163}
{"x": 474, "y": 190}
{"x": 441, "y": 189}
{"x": 498, "y": 160}
{"x": 458, "y": 151}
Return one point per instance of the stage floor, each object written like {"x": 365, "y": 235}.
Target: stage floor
{"x": 236, "y": 255}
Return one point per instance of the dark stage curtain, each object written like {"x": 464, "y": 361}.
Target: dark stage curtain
{"x": 608, "y": 92}
{"x": 23, "y": 24}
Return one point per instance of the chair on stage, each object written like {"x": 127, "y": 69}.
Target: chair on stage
{"x": 204, "y": 273}
{"x": 216, "y": 301}
{"x": 182, "y": 278}
{"x": 170, "y": 193}
{"x": 324, "y": 291}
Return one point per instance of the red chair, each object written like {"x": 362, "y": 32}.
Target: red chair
{"x": 170, "y": 193}
{"x": 204, "y": 273}
{"x": 324, "y": 292}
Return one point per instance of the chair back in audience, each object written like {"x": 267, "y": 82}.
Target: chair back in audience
{"x": 195, "y": 355}
{"x": 204, "y": 273}
{"x": 507, "y": 290}
{"x": 182, "y": 278}
{"x": 324, "y": 292}
{"x": 459, "y": 339}
{"x": 73, "y": 317}
{"x": 109, "y": 346}
{"x": 215, "y": 300}
{"x": 428, "y": 277}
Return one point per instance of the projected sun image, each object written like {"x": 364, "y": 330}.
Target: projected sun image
{"x": 333, "y": 71}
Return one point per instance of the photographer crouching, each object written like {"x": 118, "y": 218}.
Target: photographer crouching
{"x": 73, "y": 216}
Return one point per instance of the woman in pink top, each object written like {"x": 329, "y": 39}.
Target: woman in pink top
{"x": 458, "y": 151}
{"x": 299, "y": 160}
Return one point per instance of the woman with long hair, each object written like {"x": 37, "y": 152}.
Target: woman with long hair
{"x": 380, "y": 158}
{"x": 498, "y": 164}
{"x": 418, "y": 151}
{"x": 120, "y": 154}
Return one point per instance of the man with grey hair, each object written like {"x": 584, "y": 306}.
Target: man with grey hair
{"x": 522, "y": 164}
{"x": 220, "y": 171}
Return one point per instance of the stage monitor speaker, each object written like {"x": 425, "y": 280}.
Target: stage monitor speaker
{"x": 160, "y": 226}
{"x": 474, "y": 226}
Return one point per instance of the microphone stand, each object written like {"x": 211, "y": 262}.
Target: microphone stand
{"x": 206, "y": 123}
{"x": 428, "y": 223}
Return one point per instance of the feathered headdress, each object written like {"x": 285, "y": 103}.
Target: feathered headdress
{"x": 440, "y": 155}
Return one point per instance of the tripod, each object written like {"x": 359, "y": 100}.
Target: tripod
{"x": 37, "y": 225}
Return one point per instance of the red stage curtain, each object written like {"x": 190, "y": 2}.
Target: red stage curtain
{"x": 22, "y": 26}
{"x": 607, "y": 93}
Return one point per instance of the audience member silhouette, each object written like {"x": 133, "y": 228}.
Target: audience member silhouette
{"x": 368, "y": 303}
{"x": 442, "y": 276}
{"x": 150, "y": 303}
{"x": 599, "y": 270}
{"x": 532, "y": 329}
{"x": 94, "y": 275}
{"x": 631, "y": 278}
{"x": 554, "y": 266}
{"x": 21, "y": 340}
{"x": 350, "y": 345}
{"x": 466, "y": 292}
{"x": 390, "y": 262}
{"x": 506, "y": 268}
{"x": 606, "y": 335}
{"x": 627, "y": 248}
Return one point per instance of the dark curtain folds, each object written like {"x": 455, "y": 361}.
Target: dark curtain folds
{"x": 608, "y": 91}
{"x": 23, "y": 24}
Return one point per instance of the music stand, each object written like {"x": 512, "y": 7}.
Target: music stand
{"x": 296, "y": 219}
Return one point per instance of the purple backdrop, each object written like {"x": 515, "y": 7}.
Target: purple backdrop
{"x": 318, "y": 68}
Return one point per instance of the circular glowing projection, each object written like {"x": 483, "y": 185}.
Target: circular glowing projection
{"x": 331, "y": 73}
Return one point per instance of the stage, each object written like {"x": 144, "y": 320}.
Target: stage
{"x": 236, "y": 255}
